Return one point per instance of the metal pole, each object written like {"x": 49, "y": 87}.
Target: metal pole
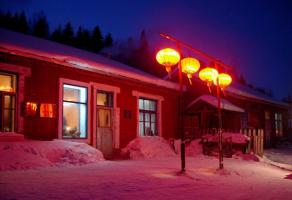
{"x": 182, "y": 136}
{"x": 220, "y": 126}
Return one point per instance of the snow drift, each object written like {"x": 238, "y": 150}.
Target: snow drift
{"x": 36, "y": 154}
{"x": 147, "y": 147}
{"x": 194, "y": 148}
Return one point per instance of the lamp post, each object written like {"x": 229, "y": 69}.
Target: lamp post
{"x": 168, "y": 58}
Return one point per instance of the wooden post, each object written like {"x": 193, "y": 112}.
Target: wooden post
{"x": 254, "y": 134}
{"x": 249, "y": 134}
{"x": 261, "y": 144}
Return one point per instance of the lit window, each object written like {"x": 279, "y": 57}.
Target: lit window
{"x": 147, "y": 117}
{"x": 7, "y": 82}
{"x": 278, "y": 124}
{"x": 104, "y": 99}
{"x": 104, "y": 102}
{"x": 74, "y": 111}
{"x": 7, "y": 102}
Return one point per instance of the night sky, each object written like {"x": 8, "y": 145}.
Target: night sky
{"x": 253, "y": 36}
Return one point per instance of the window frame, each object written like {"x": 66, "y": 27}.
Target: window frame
{"x": 150, "y": 112}
{"x": 63, "y": 82}
{"x": 278, "y": 124}
{"x": 159, "y": 100}
{"x": 14, "y": 79}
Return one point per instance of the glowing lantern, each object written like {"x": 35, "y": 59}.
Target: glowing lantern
{"x": 209, "y": 75}
{"x": 224, "y": 80}
{"x": 190, "y": 66}
{"x": 167, "y": 57}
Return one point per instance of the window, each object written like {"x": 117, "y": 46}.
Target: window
{"x": 104, "y": 99}
{"x": 147, "y": 117}
{"x": 74, "y": 111}
{"x": 104, "y": 102}
{"x": 7, "y": 102}
{"x": 278, "y": 124}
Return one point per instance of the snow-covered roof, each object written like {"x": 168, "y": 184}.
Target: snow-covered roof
{"x": 29, "y": 46}
{"x": 211, "y": 100}
{"x": 238, "y": 90}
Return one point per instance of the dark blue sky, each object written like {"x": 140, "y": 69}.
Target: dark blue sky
{"x": 253, "y": 36}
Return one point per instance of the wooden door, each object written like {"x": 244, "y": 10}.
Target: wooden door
{"x": 104, "y": 131}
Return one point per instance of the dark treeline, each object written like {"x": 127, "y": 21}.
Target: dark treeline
{"x": 135, "y": 53}
{"x": 90, "y": 40}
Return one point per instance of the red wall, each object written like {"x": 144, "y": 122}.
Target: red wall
{"x": 43, "y": 87}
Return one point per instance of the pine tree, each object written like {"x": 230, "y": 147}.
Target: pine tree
{"x": 22, "y": 23}
{"x": 96, "y": 40}
{"x": 57, "y": 34}
{"x": 68, "y": 34}
{"x": 41, "y": 26}
{"x": 143, "y": 42}
{"x": 108, "y": 41}
{"x": 7, "y": 20}
{"x": 83, "y": 39}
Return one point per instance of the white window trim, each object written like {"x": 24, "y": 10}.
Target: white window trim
{"x": 63, "y": 81}
{"x": 22, "y": 73}
{"x": 159, "y": 100}
{"x": 116, "y": 114}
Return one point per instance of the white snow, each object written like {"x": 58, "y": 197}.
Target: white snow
{"x": 211, "y": 100}
{"x": 155, "y": 178}
{"x": 148, "y": 147}
{"x": 236, "y": 138}
{"x": 37, "y": 154}
{"x": 151, "y": 179}
{"x": 194, "y": 148}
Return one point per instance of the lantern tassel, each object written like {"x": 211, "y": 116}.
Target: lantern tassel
{"x": 209, "y": 87}
{"x": 190, "y": 81}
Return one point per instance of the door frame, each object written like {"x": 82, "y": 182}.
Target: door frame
{"x": 116, "y": 117}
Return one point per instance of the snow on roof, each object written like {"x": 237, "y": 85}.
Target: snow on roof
{"x": 211, "y": 100}
{"x": 29, "y": 46}
{"x": 240, "y": 90}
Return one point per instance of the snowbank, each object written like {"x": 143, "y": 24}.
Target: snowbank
{"x": 194, "y": 148}
{"x": 36, "y": 154}
{"x": 147, "y": 147}
{"x": 236, "y": 138}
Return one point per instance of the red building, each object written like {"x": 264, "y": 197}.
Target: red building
{"x": 48, "y": 91}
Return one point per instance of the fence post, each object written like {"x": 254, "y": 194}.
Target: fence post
{"x": 255, "y": 144}
{"x": 249, "y": 134}
{"x": 261, "y": 142}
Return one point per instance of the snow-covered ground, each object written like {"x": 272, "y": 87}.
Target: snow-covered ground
{"x": 282, "y": 154}
{"x": 154, "y": 177}
{"x": 150, "y": 179}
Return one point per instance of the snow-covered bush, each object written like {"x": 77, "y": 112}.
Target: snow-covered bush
{"x": 36, "y": 154}
{"x": 147, "y": 147}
